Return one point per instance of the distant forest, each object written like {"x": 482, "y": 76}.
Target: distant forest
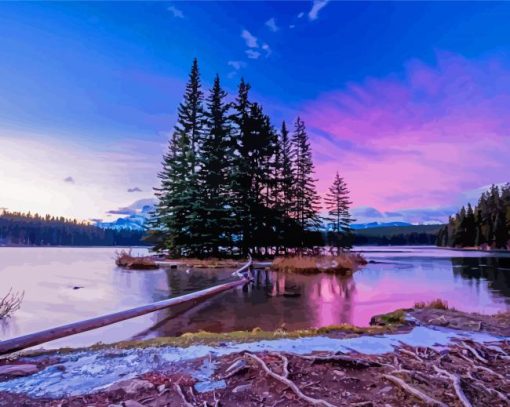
{"x": 25, "y": 229}
{"x": 487, "y": 225}
{"x": 412, "y": 235}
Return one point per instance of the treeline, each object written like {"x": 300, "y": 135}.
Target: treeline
{"x": 403, "y": 239}
{"x": 25, "y": 229}
{"x": 411, "y": 235}
{"x": 487, "y": 225}
{"x": 231, "y": 183}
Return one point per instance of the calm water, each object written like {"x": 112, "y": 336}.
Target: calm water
{"x": 67, "y": 284}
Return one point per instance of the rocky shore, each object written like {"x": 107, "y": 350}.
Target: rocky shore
{"x": 424, "y": 356}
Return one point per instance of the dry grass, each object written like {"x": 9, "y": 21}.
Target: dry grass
{"x": 126, "y": 260}
{"x": 10, "y": 303}
{"x": 435, "y": 304}
{"x": 344, "y": 263}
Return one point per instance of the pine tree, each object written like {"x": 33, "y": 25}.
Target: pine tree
{"x": 306, "y": 200}
{"x": 338, "y": 203}
{"x": 213, "y": 176}
{"x": 241, "y": 179}
{"x": 287, "y": 172}
{"x": 177, "y": 212}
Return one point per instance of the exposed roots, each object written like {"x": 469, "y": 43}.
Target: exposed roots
{"x": 474, "y": 352}
{"x": 414, "y": 391}
{"x": 456, "y": 385}
{"x": 178, "y": 388}
{"x": 289, "y": 383}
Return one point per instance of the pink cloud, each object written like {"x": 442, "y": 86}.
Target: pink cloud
{"x": 418, "y": 140}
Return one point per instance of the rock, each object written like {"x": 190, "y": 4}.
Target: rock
{"x": 131, "y": 386}
{"x": 238, "y": 364}
{"x": 18, "y": 370}
{"x": 132, "y": 403}
{"x": 338, "y": 373}
{"x": 241, "y": 388}
{"x": 385, "y": 389}
{"x": 161, "y": 388}
{"x": 440, "y": 321}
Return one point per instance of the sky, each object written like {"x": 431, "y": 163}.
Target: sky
{"x": 408, "y": 101}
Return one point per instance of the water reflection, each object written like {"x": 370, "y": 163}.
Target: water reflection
{"x": 273, "y": 301}
{"x": 494, "y": 270}
{"x": 397, "y": 278}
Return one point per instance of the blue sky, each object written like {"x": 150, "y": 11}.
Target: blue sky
{"x": 88, "y": 94}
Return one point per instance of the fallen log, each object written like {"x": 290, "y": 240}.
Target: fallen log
{"x": 37, "y": 338}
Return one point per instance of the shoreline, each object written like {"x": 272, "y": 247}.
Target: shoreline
{"x": 221, "y": 366}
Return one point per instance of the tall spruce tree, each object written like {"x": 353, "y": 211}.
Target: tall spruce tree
{"x": 241, "y": 179}
{"x": 215, "y": 160}
{"x": 177, "y": 212}
{"x": 306, "y": 200}
{"x": 338, "y": 203}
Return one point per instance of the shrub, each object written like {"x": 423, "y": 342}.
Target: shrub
{"x": 126, "y": 260}
{"x": 435, "y": 304}
{"x": 10, "y": 303}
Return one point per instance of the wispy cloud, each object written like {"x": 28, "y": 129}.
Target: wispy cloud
{"x": 267, "y": 49}
{"x": 271, "y": 24}
{"x": 317, "y": 6}
{"x": 69, "y": 180}
{"x": 252, "y": 54}
{"x": 301, "y": 15}
{"x": 177, "y": 13}
{"x": 121, "y": 211}
{"x": 135, "y": 189}
{"x": 251, "y": 40}
{"x": 237, "y": 65}
{"x": 451, "y": 137}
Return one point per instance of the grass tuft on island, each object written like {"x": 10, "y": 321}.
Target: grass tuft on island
{"x": 344, "y": 264}
{"x": 434, "y": 304}
{"x": 125, "y": 259}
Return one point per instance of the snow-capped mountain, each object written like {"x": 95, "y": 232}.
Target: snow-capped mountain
{"x": 357, "y": 226}
{"x": 137, "y": 213}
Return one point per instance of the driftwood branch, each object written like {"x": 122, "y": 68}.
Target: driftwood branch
{"x": 289, "y": 383}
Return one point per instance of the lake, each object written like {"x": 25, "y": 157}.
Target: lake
{"x": 63, "y": 285}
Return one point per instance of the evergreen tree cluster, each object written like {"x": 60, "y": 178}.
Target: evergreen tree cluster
{"x": 20, "y": 229}
{"x": 485, "y": 225}
{"x": 231, "y": 183}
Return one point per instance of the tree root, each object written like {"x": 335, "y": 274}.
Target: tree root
{"x": 178, "y": 388}
{"x": 414, "y": 355}
{"x": 414, "y": 391}
{"x": 289, "y": 383}
{"x": 488, "y": 390}
{"x": 474, "y": 352}
{"x": 456, "y": 385}
{"x": 285, "y": 361}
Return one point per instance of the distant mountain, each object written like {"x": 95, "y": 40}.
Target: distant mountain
{"x": 138, "y": 214}
{"x": 358, "y": 226}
